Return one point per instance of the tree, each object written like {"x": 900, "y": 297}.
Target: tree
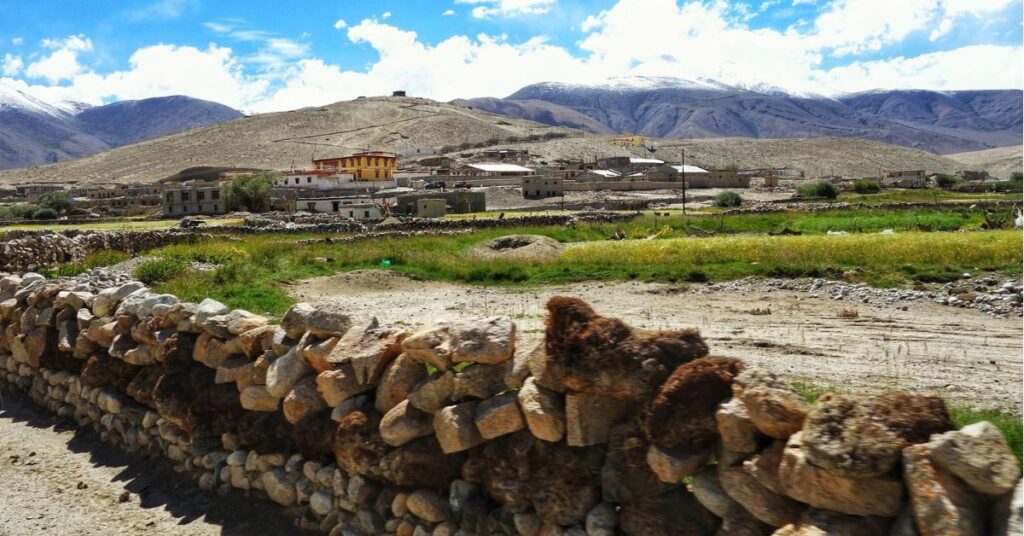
{"x": 250, "y": 192}
{"x": 59, "y": 202}
{"x": 728, "y": 199}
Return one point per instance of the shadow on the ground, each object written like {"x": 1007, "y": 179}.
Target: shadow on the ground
{"x": 155, "y": 482}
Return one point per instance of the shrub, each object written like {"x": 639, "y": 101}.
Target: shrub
{"x": 159, "y": 270}
{"x": 866, "y": 186}
{"x": 250, "y": 192}
{"x": 944, "y": 181}
{"x": 58, "y": 201}
{"x": 44, "y": 214}
{"x": 728, "y": 199}
{"x": 818, "y": 189}
{"x": 17, "y": 210}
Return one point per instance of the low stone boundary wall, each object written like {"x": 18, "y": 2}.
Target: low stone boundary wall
{"x": 324, "y": 223}
{"x": 32, "y": 250}
{"x": 359, "y": 428}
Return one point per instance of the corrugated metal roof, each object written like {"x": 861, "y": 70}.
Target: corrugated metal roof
{"x": 633, "y": 160}
{"x": 606, "y": 173}
{"x": 689, "y": 169}
{"x": 500, "y": 168}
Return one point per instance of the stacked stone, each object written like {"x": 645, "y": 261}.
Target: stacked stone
{"x": 32, "y": 250}
{"x": 358, "y": 428}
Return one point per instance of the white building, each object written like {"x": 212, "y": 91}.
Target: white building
{"x": 315, "y": 179}
{"x": 486, "y": 169}
{"x": 358, "y": 208}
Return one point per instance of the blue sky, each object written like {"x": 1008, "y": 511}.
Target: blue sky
{"x": 265, "y": 56}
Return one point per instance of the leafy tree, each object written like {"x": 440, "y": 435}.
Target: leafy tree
{"x": 59, "y": 202}
{"x": 250, "y": 192}
{"x": 44, "y": 214}
{"x": 944, "y": 180}
{"x": 1017, "y": 176}
{"x": 728, "y": 199}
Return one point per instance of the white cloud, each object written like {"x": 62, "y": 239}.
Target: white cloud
{"x": 448, "y": 13}
{"x": 17, "y": 41}
{"x": 161, "y": 9}
{"x": 287, "y": 48}
{"x": 808, "y": 2}
{"x": 62, "y": 63}
{"x": 954, "y": 9}
{"x": 386, "y": 15}
{"x": 508, "y": 8}
{"x": 11, "y": 65}
{"x": 340, "y": 24}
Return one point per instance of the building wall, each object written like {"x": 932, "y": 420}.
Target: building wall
{"x": 190, "y": 201}
{"x": 431, "y": 208}
{"x": 357, "y": 208}
{"x": 364, "y": 166}
{"x": 458, "y": 201}
{"x": 542, "y": 187}
{"x": 314, "y": 180}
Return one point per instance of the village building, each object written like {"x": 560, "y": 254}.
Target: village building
{"x": 314, "y": 179}
{"x": 506, "y": 154}
{"x": 36, "y": 189}
{"x": 622, "y": 162}
{"x": 628, "y": 140}
{"x": 541, "y": 187}
{"x": 358, "y": 208}
{"x": 431, "y": 208}
{"x": 191, "y": 199}
{"x": 903, "y": 178}
{"x": 488, "y": 169}
{"x": 457, "y": 201}
{"x": 364, "y": 166}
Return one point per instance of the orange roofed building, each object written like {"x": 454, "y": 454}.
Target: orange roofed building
{"x": 367, "y": 165}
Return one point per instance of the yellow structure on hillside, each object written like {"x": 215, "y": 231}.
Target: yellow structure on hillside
{"x": 366, "y": 165}
{"x": 629, "y": 140}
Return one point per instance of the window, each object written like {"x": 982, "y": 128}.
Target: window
{"x": 200, "y": 196}
{"x": 335, "y": 205}
{"x": 366, "y": 214}
{"x": 170, "y": 197}
{"x": 216, "y": 195}
{"x": 351, "y": 214}
{"x": 184, "y": 196}
{"x": 215, "y": 207}
{"x": 296, "y": 180}
{"x": 309, "y": 180}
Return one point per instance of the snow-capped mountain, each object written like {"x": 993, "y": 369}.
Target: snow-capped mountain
{"x": 33, "y": 132}
{"x": 940, "y": 122}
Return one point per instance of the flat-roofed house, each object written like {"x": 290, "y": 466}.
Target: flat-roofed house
{"x": 488, "y": 169}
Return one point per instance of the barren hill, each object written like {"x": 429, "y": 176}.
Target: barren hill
{"x": 286, "y": 139}
{"x": 289, "y": 139}
{"x": 999, "y": 162}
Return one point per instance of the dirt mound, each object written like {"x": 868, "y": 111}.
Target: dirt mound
{"x": 519, "y": 248}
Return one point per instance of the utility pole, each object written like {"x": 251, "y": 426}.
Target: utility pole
{"x": 682, "y": 175}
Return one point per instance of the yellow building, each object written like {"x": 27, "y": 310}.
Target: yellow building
{"x": 629, "y": 140}
{"x": 367, "y": 166}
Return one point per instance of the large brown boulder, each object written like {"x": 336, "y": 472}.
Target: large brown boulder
{"x": 682, "y": 414}
{"x": 676, "y": 513}
{"x": 863, "y": 436}
{"x": 942, "y": 503}
{"x": 605, "y": 356}
{"x": 358, "y": 447}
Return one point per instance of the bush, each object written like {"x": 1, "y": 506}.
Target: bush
{"x": 818, "y": 189}
{"x": 943, "y": 180}
{"x": 17, "y": 210}
{"x": 58, "y": 201}
{"x": 44, "y": 214}
{"x": 1010, "y": 186}
{"x": 866, "y": 186}
{"x": 159, "y": 270}
{"x": 1017, "y": 176}
{"x": 728, "y": 199}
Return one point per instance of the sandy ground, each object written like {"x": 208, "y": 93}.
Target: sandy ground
{"x": 959, "y": 354}
{"x": 55, "y": 479}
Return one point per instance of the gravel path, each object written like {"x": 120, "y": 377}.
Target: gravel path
{"x": 56, "y": 480}
{"x": 963, "y": 355}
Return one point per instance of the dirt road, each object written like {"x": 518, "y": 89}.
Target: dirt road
{"x": 56, "y": 480}
{"x": 959, "y": 354}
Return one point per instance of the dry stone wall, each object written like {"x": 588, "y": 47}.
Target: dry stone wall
{"x": 359, "y": 428}
{"x": 22, "y": 251}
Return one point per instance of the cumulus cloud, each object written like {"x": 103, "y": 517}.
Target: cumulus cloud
{"x": 955, "y": 9}
{"x": 386, "y": 15}
{"x": 62, "y": 63}
{"x": 340, "y": 24}
{"x": 17, "y": 41}
{"x": 448, "y": 13}
{"x": 11, "y": 65}
{"x": 508, "y": 8}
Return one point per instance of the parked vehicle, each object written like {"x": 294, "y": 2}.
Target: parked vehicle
{"x": 435, "y": 185}
{"x": 463, "y": 184}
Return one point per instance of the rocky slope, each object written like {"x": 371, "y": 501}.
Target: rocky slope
{"x": 937, "y": 122}
{"x": 33, "y": 132}
{"x": 1000, "y": 162}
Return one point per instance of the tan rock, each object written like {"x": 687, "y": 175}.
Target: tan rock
{"x": 764, "y": 466}
{"x": 285, "y": 372}
{"x": 942, "y": 503}
{"x": 316, "y": 353}
{"x": 213, "y": 351}
{"x": 427, "y": 505}
{"x": 479, "y": 381}
{"x": 737, "y": 431}
{"x": 979, "y": 455}
{"x": 231, "y": 370}
{"x": 372, "y": 352}
{"x": 543, "y": 411}
{"x": 140, "y": 355}
{"x": 398, "y": 380}
{"x": 433, "y": 393}
{"x": 258, "y": 398}
{"x": 339, "y": 384}
{"x": 825, "y": 523}
{"x": 708, "y": 490}
{"x": 878, "y": 496}
{"x": 498, "y": 416}
{"x": 775, "y": 408}
{"x": 404, "y": 423}
{"x": 771, "y": 508}
{"x": 302, "y": 400}
{"x": 488, "y": 341}
{"x": 255, "y": 341}
{"x": 294, "y": 320}
{"x": 240, "y": 321}
{"x": 589, "y": 417}
{"x": 674, "y": 467}
{"x": 455, "y": 427}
